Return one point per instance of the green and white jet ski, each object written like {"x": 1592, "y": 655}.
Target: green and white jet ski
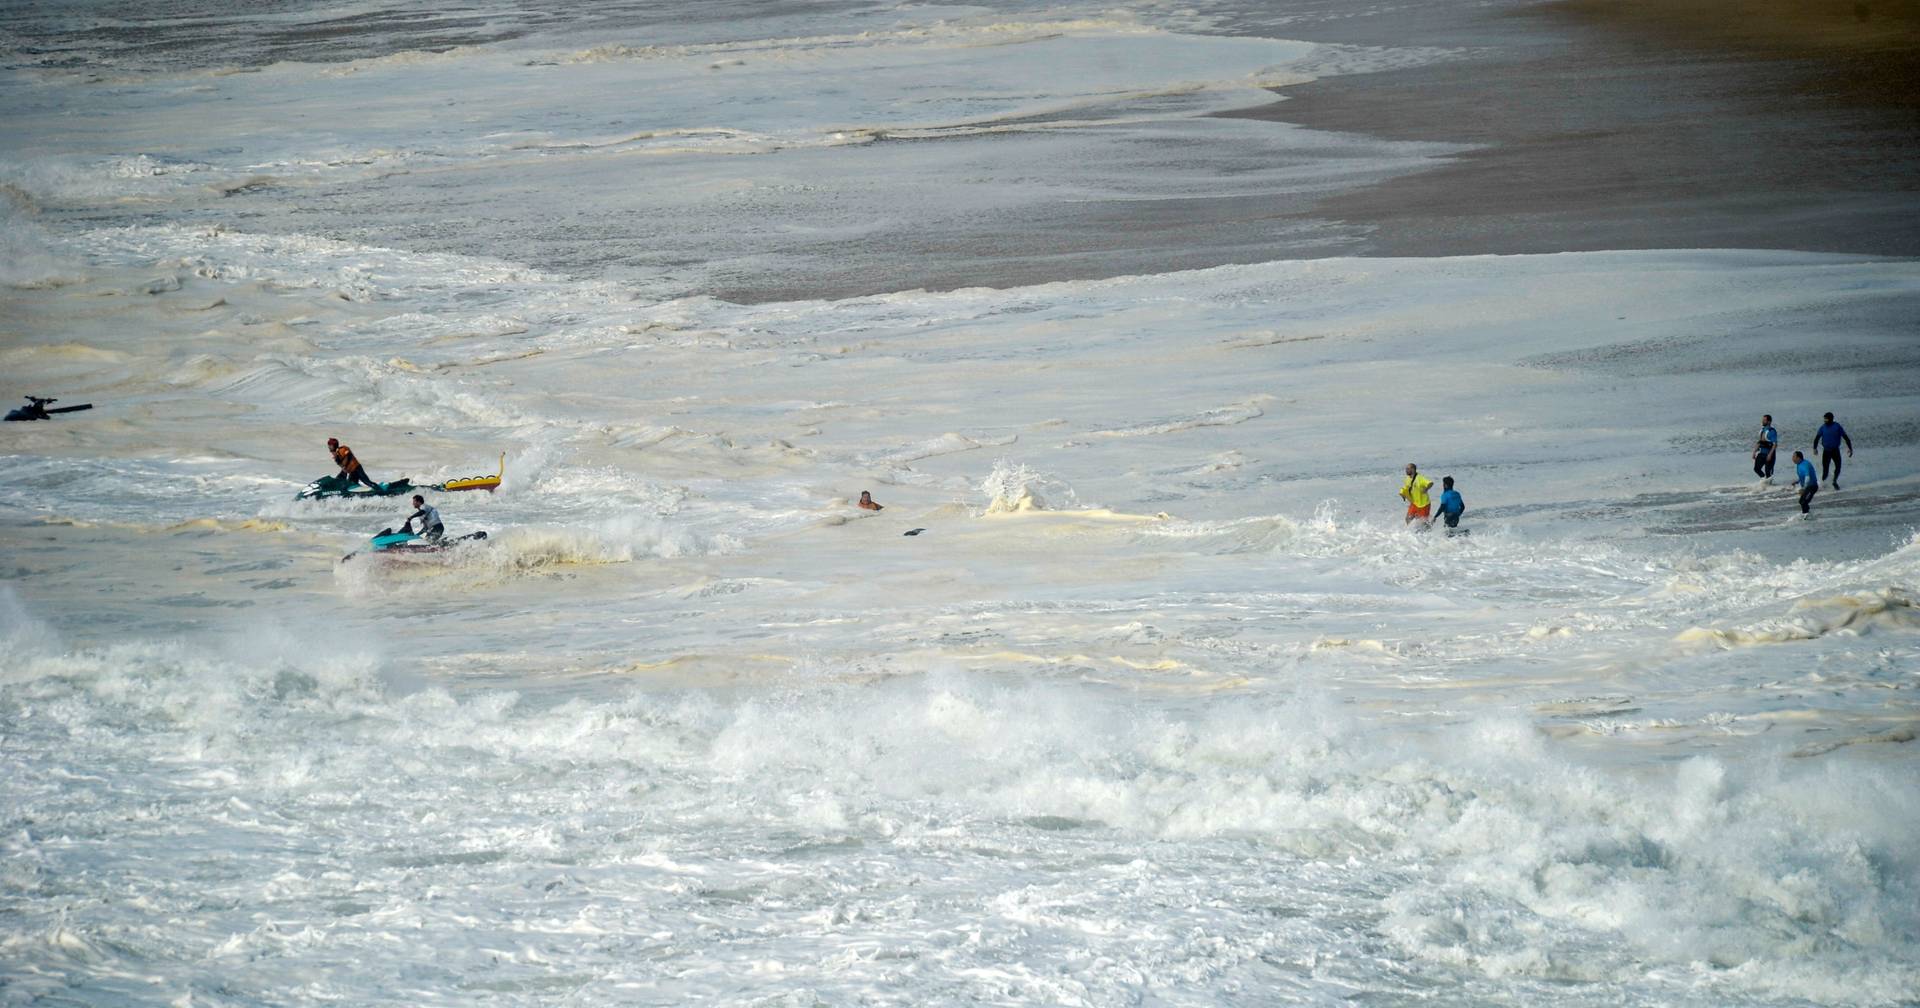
{"x": 339, "y": 486}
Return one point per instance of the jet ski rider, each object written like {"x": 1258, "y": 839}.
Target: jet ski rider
{"x": 350, "y": 467}
{"x": 429, "y": 517}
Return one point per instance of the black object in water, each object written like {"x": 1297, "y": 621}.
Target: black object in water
{"x": 36, "y": 409}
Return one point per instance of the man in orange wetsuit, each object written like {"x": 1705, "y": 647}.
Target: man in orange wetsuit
{"x": 350, "y": 467}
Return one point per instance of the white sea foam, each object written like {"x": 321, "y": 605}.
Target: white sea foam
{"x": 27, "y": 252}
{"x": 1490, "y": 856}
{"x": 1139, "y": 682}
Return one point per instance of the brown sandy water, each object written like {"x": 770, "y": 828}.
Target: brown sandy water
{"x": 1614, "y": 124}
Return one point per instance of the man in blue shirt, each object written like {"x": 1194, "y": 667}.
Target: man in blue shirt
{"x": 1828, "y": 439}
{"x": 1765, "y": 448}
{"x": 1803, "y": 478}
{"x": 1451, "y": 506}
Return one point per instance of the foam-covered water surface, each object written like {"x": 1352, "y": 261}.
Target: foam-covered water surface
{"x": 1139, "y": 689}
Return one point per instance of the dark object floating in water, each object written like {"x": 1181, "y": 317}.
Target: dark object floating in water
{"x": 913, "y": 531}
{"x": 36, "y": 409}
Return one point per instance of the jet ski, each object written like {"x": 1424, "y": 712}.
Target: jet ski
{"x": 391, "y": 545}
{"x": 36, "y": 409}
{"x": 489, "y": 482}
{"x": 339, "y": 486}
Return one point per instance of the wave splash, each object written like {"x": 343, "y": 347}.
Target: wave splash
{"x": 1014, "y": 487}
{"x": 1481, "y": 852}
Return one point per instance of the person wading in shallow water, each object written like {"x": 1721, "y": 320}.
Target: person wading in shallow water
{"x": 1803, "y": 478}
{"x": 866, "y": 502}
{"x": 1828, "y": 439}
{"x": 1451, "y": 504}
{"x": 1765, "y": 449}
{"x": 1415, "y": 492}
{"x": 350, "y": 467}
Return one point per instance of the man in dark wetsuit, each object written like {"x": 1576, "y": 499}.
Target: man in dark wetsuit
{"x": 428, "y": 517}
{"x": 1828, "y": 439}
{"x": 350, "y": 467}
{"x": 1765, "y": 448}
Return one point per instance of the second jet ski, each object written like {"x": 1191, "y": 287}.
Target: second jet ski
{"x": 402, "y": 545}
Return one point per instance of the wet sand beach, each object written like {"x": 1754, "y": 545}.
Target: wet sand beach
{"x": 1616, "y": 124}
{"x": 1591, "y": 125}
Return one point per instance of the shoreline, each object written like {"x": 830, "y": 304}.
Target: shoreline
{"x": 1874, "y": 40}
{"x": 1615, "y": 125}
{"x": 1623, "y": 124}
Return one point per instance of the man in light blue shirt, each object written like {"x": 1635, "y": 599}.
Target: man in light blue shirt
{"x": 1804, "y": 479}
{"x": 1765, "y": 448}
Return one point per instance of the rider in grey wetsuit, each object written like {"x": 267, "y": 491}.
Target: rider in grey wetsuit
{"x": 429, "y": 518}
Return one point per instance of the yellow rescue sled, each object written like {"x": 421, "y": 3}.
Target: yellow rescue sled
{"x": 487, "y": 483}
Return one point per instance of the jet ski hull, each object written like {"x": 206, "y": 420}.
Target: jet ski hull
{"x": 402, "y": 546}
{"x": 337, "y": 486}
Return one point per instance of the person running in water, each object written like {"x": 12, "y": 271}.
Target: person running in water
{"x": 1803, "y": 478}
{"x": 1451, "y": 506}
{"x": 429, "y": 518}
{"x": 350, "y": 467}
{"x": 1828, "y": 439}
{"x": 1414, "y": 492}
{"x": 1766, "y": 449}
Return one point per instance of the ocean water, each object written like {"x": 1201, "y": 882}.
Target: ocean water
{"x": 1139, "y": 690}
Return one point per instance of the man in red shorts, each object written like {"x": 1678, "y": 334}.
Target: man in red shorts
{"x": 1415, "y": 491}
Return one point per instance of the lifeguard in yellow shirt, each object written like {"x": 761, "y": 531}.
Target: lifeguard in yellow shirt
{"x": 1415, "y": 492}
